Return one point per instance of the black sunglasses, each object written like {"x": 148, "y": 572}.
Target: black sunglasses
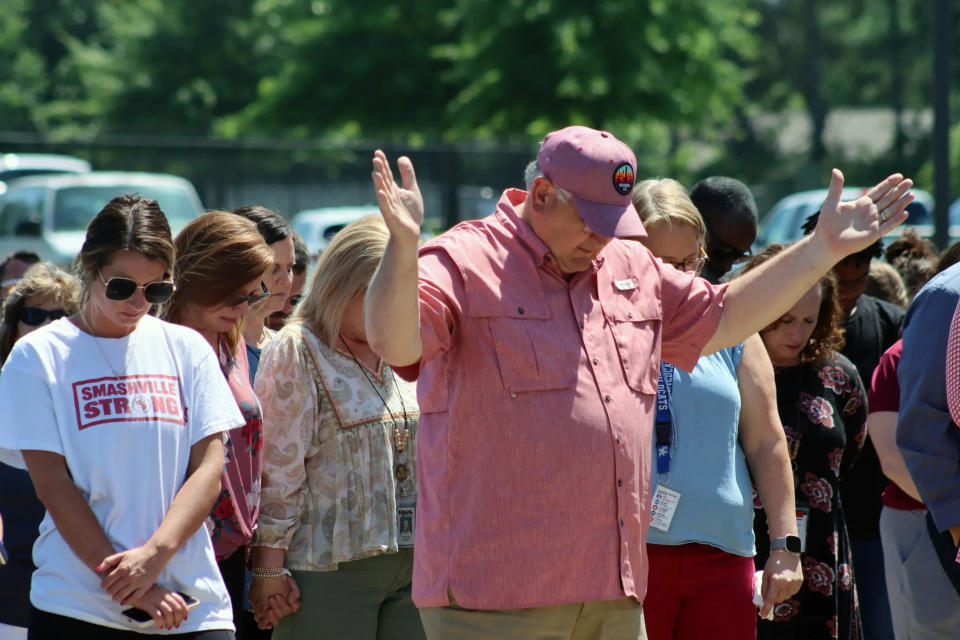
{"x": 254, "y": 298}
{"x": 119, "y": 288}
{"x": 35, "y": 316}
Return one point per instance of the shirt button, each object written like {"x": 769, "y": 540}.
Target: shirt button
{"x": 618, "y": 439}
{"x": 608, "y": 398}
{"x": 619, "y": 482}
{"x": 513, "y": 394}
{"x": 630, "y": 316}
{"x": 596, "y": 362}
{"x": 621, "y": 522}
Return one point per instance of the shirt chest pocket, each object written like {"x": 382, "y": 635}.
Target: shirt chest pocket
{"x": 530, "y": 349}
{"x": 635, "y": 320}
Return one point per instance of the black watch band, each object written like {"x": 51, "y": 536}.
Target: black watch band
{"x": 791, "y": 544}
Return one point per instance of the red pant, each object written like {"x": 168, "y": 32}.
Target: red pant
{"x": 696, "y": 591}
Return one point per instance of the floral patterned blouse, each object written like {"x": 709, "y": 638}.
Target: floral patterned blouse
{"x": 235, "y": 513}
{"x": 330, "y": 463}
{"x": 824, "y": 414}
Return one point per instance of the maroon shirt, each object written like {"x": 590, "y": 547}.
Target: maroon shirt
{"x": 537, "y": 396}
{"x": 885, "y": 396}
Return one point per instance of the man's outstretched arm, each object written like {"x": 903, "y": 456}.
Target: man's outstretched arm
{"x": 760, "y": 296}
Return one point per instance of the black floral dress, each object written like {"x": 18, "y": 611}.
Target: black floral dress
{"x": 824, "y": 415}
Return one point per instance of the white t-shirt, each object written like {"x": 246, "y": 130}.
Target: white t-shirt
{"x": 127, "y": 444}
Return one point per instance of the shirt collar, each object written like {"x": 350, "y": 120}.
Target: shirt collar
{"x": 509, "y": 217}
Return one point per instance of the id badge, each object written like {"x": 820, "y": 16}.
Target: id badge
{"x": 663, "y": 507}
{"x": 406, "y": 521}
{"x": 803, "y": 514}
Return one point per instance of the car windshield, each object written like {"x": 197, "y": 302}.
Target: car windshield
{"x": 74, "y": 207}
{"x": 10, "y": 174}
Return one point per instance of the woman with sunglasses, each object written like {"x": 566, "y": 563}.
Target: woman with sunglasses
{"x": 119, "y": 417}
{"x": 279, "y": 237}
{"x": 221, "y": 262}
{"x": 44, "y": 294}
{"x": 715, "y": 426}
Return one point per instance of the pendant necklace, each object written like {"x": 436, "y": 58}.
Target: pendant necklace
{"x": 401, "y": 436}
{"x": 96, "y": 340}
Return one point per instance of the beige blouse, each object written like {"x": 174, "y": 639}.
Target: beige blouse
{"x": 329, "y": 489}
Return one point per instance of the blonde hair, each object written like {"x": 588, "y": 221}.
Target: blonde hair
{"x": 345, "y": 269}
{"x": 665, "y": 201}
{"x": 42, "y": 279}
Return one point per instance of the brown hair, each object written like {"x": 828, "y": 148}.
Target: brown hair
{"x": 665, "y": 201}
{"x": 42, "y": 279}
{"x": 217, "y": 253}
{"x": 127, "y": 222}
{"x": 886, "y": 283}
{"x": 949, "y": 257}
{"x": 345, "y": 269}
{"x": 827, "y": 337}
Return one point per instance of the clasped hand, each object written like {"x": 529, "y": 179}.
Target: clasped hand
{"x": 128, "y": 575}
{"x": 272, "y": 599}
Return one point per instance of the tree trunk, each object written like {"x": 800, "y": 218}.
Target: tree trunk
{"x": 896, "y": 81}
{"x": 812, "y": 91}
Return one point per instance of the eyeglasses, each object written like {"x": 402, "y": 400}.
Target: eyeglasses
{"x": 726, "y": 253}
{"x": 35, "y": 316}
{"x": 119, "y": 288}
{"x": 254, "y": 298}
{"x": 695, "y": 265}
{"x": 723, "y": 252}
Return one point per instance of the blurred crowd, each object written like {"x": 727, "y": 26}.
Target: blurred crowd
{"x": 594, "y": 414}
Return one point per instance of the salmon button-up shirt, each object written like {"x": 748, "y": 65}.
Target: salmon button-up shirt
{"x": 537, "y": 393}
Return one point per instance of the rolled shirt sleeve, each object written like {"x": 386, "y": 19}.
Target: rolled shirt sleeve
{"x": 692, "y": 309}
{"x": 440, "y": 290}
{"x": 288, "y": 398}
{"x": 926, "y": 435}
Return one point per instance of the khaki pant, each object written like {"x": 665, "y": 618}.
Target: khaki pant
{"x": 606, "y": 620}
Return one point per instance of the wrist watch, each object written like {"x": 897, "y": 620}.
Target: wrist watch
{"x": 790, "y": 544}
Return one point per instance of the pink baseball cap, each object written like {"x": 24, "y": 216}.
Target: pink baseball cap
{"x": 599, "y": 171}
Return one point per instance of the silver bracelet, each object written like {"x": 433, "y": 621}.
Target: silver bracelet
{"x": 278, "y": 572}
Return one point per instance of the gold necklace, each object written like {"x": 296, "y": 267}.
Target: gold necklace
{"x": 401, "y": 436}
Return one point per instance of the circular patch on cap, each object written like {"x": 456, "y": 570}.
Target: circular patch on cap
{"x": 623, "y": 179}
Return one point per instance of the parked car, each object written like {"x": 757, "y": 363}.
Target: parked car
{"x": 784, "y": 223}
{"x": 49, "y": 214}
{"x": 20, "y": 165}
{"x": 318, "y": 226}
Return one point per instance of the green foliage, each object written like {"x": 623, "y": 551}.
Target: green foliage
{"x": 682, "y": 81}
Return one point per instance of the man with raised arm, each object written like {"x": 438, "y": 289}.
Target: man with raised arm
{"x": 535, "y": 335}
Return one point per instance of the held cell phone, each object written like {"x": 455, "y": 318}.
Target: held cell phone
{"x": 144, "y": 620}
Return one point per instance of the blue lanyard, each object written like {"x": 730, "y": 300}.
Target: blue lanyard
{"x": 663, "y": 424}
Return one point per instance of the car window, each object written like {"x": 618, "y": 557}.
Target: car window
{"x": 21, "y": 211}
{"x": 778, "y": 225}
{"x": 10, "y": 174}
{"x": 74, "y": 207}
{"x": 919, "y": 214}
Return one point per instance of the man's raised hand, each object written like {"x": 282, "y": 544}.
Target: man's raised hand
{"x": 849, "y": 227}
{"x": 400, "y": 205}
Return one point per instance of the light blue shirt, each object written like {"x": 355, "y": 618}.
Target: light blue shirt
{"x": 707, "y": 465}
